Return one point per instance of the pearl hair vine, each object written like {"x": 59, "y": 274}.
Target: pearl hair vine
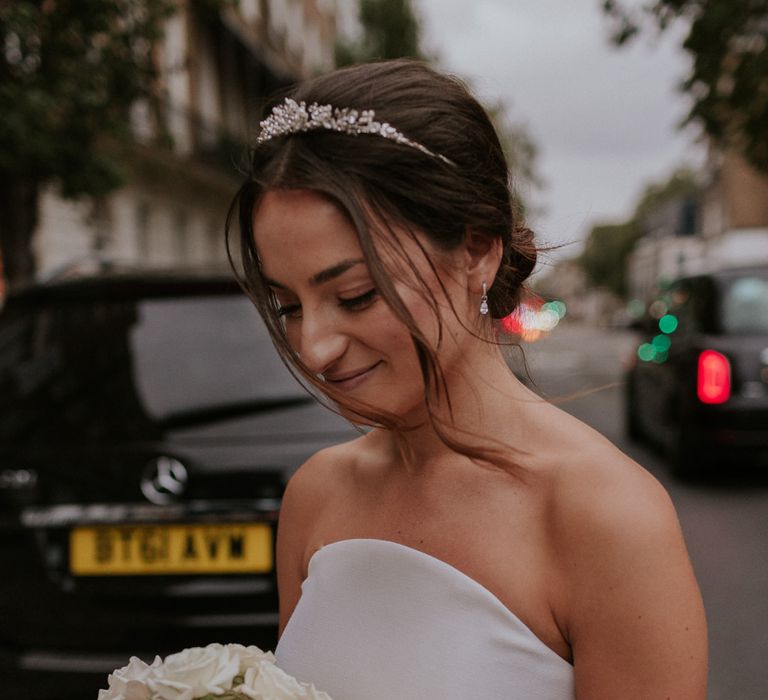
{"x": 291, "y": 117}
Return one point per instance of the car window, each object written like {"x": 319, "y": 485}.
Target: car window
{"x": 190, "y": 353}
{"x": 745, "y": 305}
{"x": 90, "y": 370}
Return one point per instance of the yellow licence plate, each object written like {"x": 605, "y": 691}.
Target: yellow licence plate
{"x": 128, "y": 550}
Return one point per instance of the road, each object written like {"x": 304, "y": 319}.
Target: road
{"x": 724, "y": 518}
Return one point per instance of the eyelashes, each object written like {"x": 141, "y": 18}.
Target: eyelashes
{"x": 288, "y": 311}
{"x": 363, "y": 301}
{"x": 358, "y": 303}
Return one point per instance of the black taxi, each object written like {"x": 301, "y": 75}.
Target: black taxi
{"x": 698, "y": 383}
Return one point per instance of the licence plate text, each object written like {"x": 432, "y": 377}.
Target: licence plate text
{"x": 170, "y": 549}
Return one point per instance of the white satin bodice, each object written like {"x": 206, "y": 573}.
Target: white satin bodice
{"x": 381, "y": 621}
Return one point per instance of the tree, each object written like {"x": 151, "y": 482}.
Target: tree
{"x": 69, "y": 72}
{"x": 680, "y": 183}
{"x": 728, "y": 83}
{"x": 388, "y": 29}
{"x": 607, "y": 248}
{"x": 605, "y": 254}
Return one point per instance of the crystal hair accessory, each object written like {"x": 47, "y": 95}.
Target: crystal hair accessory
{"x": 291, "y": 117}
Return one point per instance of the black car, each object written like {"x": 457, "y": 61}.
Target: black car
{"x": 698, "y": 385}
{"x": 147, "y": 431}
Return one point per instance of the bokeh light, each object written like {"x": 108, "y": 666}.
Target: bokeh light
{"x": 534, "y": 319}
{"x": 557, "y": 306}
{"x": 658, "y": 308}
{"x": 646, "y": 352}
{"x": 668, "y": 323}
{"x": 661, "y": 343}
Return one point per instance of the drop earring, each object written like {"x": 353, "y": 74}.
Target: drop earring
{"x": 484, "y": 301}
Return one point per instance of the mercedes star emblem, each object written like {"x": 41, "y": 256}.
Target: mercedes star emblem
{"x": 164, "y": 480}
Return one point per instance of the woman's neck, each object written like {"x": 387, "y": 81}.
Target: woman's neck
{"x": 488, "y": 410}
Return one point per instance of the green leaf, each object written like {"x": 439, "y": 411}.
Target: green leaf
{"x": 727, "y": 41}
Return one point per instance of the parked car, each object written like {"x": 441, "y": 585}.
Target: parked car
{"x": 699, "y": 383}
{"x": 147, "y": 430}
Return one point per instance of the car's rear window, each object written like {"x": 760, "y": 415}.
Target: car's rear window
{"x": 745, "y": 305}
{"x": 198, "y": 352}
{"x": 124, "y": 368}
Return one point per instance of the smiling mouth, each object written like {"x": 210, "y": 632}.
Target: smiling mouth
{"x": 349, "y": 380}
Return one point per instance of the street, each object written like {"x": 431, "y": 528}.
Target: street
{"x": 725, "y": 520}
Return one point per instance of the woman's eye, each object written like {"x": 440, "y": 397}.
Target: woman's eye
{"x": 288, "y": 310}
{"x": 359, "y": 302}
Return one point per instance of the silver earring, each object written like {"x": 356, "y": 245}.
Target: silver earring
{"x": 484, "y": 301}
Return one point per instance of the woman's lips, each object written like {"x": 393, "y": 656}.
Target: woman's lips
{"x": 350, "y": 380}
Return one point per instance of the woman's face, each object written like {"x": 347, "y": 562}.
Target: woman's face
{"x": 334, "y": 318}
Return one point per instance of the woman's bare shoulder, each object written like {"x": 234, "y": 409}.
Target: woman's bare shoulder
{"x": 596, "y": 493}
{"x": 598, "y": 487}
{"x": 330, "y": 476}
{"x": 627, "y": 598}
{"x": 325, "y": 471}
{"x": 584, "y": 477}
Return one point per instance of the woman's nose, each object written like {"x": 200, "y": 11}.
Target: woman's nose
{"x": 321, "y": 343}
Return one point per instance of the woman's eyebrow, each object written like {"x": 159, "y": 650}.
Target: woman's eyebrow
{"x": 324, "y": 275}
{"x": 334, "y": 271}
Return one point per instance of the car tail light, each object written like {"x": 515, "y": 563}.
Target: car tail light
{"x": 713, "y": 383}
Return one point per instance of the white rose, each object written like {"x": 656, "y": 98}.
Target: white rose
{"x": 250, "y": 656}
{"x": 268, "y": 682}
{"x": 130, "y": 682}
{"x": 194, "y": 673}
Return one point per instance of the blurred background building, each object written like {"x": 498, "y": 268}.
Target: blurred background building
{"x": 696, "y": 221}
{"x": 215, "y": 69}
{"x": 721, "y": 222}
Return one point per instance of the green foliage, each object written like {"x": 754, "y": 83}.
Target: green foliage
{"x": 605, "y": 255}
{"x": 390, "y": 29}
{"x": 728, "y": 83}
{"x": 681, "y": 182}
{"x": 69, "y": 72}
{"x": 608, "y": 246}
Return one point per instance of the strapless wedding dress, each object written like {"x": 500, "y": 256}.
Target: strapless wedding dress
{"x": 381, "y": 621}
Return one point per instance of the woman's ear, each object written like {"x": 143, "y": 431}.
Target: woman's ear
{"x": 483, "y": 257}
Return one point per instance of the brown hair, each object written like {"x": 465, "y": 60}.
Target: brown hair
{"x": 376, "y": 182}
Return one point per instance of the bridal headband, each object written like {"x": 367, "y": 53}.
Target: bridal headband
{"x": 291, "y": 117}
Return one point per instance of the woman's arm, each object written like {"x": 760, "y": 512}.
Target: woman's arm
{"x": 631, "y": 605}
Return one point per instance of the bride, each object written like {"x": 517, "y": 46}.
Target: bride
{"x": 476, "y": 541}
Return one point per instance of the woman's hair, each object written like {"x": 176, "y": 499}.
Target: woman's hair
{"x": 381, "y": 185}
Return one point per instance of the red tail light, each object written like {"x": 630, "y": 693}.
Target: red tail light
{"x": 714, "y": 377}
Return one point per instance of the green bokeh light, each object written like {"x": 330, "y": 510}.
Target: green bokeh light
{"x": 646, "y": 352}
{"x": 661, "y": 343}
{"x": 555, "y": 306}
{"x": 660, "y": 357}
{"x": 668, "y": 323}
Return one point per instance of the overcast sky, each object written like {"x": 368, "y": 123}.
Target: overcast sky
{"x": 604, "y": 119}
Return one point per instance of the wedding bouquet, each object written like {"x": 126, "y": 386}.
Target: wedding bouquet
{"x": 215, "y": 672}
